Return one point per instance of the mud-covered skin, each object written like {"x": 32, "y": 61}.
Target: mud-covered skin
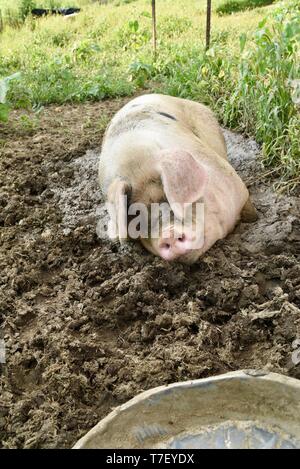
{"x": 89, "y": 324}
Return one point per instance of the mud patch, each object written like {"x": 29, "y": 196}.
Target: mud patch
{"x": 88, "y": 324}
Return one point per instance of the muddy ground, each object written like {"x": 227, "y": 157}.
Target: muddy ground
{"x": 88, "y": 324}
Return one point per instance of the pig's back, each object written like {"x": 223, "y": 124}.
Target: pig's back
{"x": 172, "y": 114}
{"x": 154, "y": 122}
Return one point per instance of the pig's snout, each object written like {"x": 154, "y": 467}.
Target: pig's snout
{"x": 172, "y": 246}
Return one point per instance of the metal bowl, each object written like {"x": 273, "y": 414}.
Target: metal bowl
{"x": 243, "y": 409}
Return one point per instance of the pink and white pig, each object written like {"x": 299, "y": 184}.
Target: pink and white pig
{"x": 164, "y": 151}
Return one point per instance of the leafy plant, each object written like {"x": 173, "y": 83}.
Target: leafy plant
{"x": 84, "y": 50}
{"x": 234, "y": 6}
{"x": 262, "y": 83}
{"x": 25, "y": 8}
{"x": 140, "y": 73}
{"x": 132, "y": 36}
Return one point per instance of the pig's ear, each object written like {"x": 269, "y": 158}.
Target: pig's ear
{"x": 117, "y": 196}
{"x": 183, "y": 178}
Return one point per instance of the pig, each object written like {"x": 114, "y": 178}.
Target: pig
{"x": 162, "y": 149}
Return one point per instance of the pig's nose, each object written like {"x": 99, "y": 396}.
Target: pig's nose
{"x": 172, "y": 247}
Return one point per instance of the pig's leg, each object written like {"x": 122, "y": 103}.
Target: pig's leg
{"x": 117, "y": 197}
{"x": 249, "y": 213}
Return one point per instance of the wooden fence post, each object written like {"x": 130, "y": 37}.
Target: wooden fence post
{"x": 1, "y": 22}
{"x": 208, "y": 23}
{"x": 154, "y": 36}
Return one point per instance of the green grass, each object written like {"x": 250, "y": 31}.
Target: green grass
{"x": 106, "y": 51}
{"x": 233, "y": 6}
{"x": 15, "y": 4}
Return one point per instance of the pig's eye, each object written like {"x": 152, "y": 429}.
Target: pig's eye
{"x": 166, "y": 246}
{"x": 182, "y": 238}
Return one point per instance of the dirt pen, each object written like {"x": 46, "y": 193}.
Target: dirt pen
{"x": 89, "y": 324}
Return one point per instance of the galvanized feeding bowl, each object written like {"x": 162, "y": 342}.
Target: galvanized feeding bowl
{"x": 243, "y": 409}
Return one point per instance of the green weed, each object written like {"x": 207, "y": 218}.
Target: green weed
{"x": 249, "y": 76}
{"x": 234, "y": 6}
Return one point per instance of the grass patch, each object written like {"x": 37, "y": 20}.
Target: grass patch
{"x": 234, "y": 6}
{"x": 249, "y": 76}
